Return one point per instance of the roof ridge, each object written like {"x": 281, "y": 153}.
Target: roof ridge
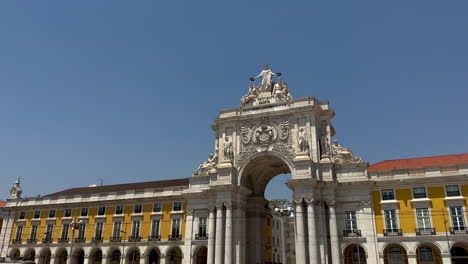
{"x": 422, "y": 157}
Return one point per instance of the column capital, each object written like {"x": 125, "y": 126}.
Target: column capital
{"x": 331, "y": 202}
{"x": 298, "y": 200}
{"x": 219, "y": 205}
{"x": 189, "y": 212}
{"x": 211, "y": 208}
{"x": 228, "y": 204}
{"x": 310, "y": 200}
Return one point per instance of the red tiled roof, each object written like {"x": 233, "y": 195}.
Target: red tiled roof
{"x": 122, "y": 187}
{"x": 2, "y": 204}
{"x": 446, "y": 160}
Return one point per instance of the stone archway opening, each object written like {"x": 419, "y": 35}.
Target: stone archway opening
{"x": 260, "y": 224}
{"x": 133, "y": 256}
{"x": 44, "y": 257}
{"x": 15, "y": 254}
{"x": 78, "y": 256}
{"x": 95, "y": 257}
{"x": 200, "y": 256}
{"x": 459, "y": 253}
{"x": 355, "y": 254}
{"x": 428, "y": 254}
{"x": 61, "y": 256}
{"x": 153, "y": 256}
{"x": 395, "y": 254}
{"x": 174, "y": 256}
{"x": 114, "y": 256}
{"x": 29, "y": 254}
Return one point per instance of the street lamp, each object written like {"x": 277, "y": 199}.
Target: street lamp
{"x": 74, "y": 225}
{"x": 123, "y": 256}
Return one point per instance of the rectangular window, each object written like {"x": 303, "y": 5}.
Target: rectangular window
{"x": 391, "y": 220}
{"x": 136, "y": 228}
{"x": 419, "y": 192}
{"x": 202, "y": 226}
{"x": 157, "y": 207}
{"x": 177, "y": 206}
{"x": 82, "y": 231}
{"x": 52, "y": 214}
{"x": 22, "y": 215}
{"x": 84, "y": 212}
{"x": 155, "y": 227}
{"x": 423, "y": 218}
{"x": 37, "y": 214}
{"x": 117, "y": 229}
{"x": 175, "y": 226}
{"x": 98, "y": 230}
{"x": 33, "y": 235}
{"x": 388, "y": 195}
{"x": 68, "y": 213}
{"x": 458, "y": 220}
{"x": 137, "y": 209}
{"x": 19, "y": 233}
{"x": 49, "y": 231}
{"x": 101, "y": 211}
{"x": 64, "y": 235}
{"x": 351, "y": 222}
{"x": 452, "y": 190}
{"x": 119, "y": 210}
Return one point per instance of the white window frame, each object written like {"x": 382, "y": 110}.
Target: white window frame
{"x": 114, "y": 231}
{"x": 82, "y": 231}
{"x": 21, "y": 215}
{"x": 135, "y": 209}
{"x": 81, "y": 212}
{"x": 33, "y": 234}
{"x": 134, "y": 233}
{"x": 34, "y": 214}
{"x": 173, "y": 206}
{"x": 160, "y": 207}
{"x": 462, "y": 215}
{"x": 49, "y": 234}
{"x": 179, "y": 228}
{"x": 397, "y": 224}
{"x": 382, "y": 194}
{"x": 459, "y": 190}
{"x": 99, "y": 227}
{"x": 351, "y": 221}
{"x": 122, "y": 212}
{"x": 200, "y": 226}
{"x": 152, "y": 233}
{"x": 65, "y": 231}
{"x": 65, "y": 213}
{"x": 105, "y": 209}
{"x": 429, "y": 213}
{"x": 425, "y": 192}
{"x": 19, "y": 232}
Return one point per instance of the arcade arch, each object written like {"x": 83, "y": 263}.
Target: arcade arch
{"x": 44, "y": 256}
{"x": 395, "y": 254}
{"x": 114, "y": 256}
{"x": 133, "y": 256}
{"x": 459, "y": 253}
{"x": 153, "y": 256}
{"x": 95, "y": 257}
{"x": 29, "y": 254}
{"x": 14, "y": 253}
{"x": 428, "y": 254}
{"x": 174, "y": 256}
{"x": 355, "y": 254}
{"x": 61, "y": 256}
{"x": 200, "y": 256}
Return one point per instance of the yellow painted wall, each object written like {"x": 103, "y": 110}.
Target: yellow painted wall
{"x": 439, "y": 210}
{"x": 406, "y": 215}
{"x": 145, "y": 228}
{"x": 465, "y": 194}
{"x": 379, "y": 224}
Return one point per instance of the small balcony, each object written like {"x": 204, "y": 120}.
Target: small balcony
{"x": 80, "y": 240}
{"x": 32, "y": 241}
{"x": 425, "y": 231}
{"x": 352, "y": 233}
{"x": 17, "y": 241}
{"x": 175, "y": 237}
{"x": 47, "y": 240}
{"x": 134, "y": 239}
{"x": 154, "y": 238}
{"x": 201, "y": 236}
{"x": 460, "y": 230}
{"x": 63, "y": 240}
{"x": 392, "y": 232}
{"x": 97, "y": 239}
{"x": 116, "y": 239}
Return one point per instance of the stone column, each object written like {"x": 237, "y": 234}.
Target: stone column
{"x": 446, "y": 258}
{"x": 86, "y": 260}
{"x": 412, "y": 259}
{"x": 334, "y": 243}
{"x": 313, "y": 249}
{"x": 53, "y": 260}
{"x": 322, "y": 233}
{"x": 228, "y": 234}
{"x": 163, "y": 259}
{"x": 105, "y": 259}
{"x": 219, "y": 234}
{"x": 300, "y": 233}
{"x": 211, "y": 235}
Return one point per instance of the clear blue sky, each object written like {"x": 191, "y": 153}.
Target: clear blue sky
{"x": 127, "y": 90}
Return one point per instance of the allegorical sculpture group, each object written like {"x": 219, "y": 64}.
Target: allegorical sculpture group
{"x": 276, "y": 91}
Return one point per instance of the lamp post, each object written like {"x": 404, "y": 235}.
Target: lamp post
{"x": 46, "y": 241}
{"x": 74, "y": 225}
{"x": 122, "y": 256}
{"x": 446, "y": 235}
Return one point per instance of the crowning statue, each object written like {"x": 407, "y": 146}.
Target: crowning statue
{"x": 268, "y": 91}
{"x": 15, "y": 191}
{"x": 343, "y": 155}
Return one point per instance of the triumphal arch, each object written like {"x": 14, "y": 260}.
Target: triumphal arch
{"x": 269, "y": 134}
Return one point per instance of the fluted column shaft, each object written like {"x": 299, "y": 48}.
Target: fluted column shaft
{"x": 313, "y": 249}
{"x": 300, "y": 233}
{"x": 334, "y": 243}
{"x": 211, "y": 235}
{"x": 219, "y": 235}
{"x": 228, "y": 235}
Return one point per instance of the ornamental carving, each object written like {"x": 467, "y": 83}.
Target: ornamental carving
{"x": 265, "y": 135}
{"x": 343, "y": 155}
